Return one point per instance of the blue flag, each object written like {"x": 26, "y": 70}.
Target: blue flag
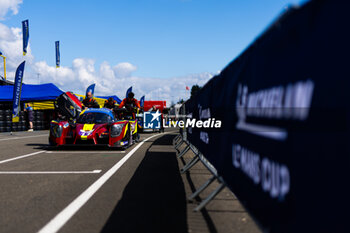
{"x": 91, "y": 89}
{"x": 142, "y": 101}
{"x": 57, "y": 45}
{"x": 17, "y": 89}
{"x": 25, "y": 32}
{"x": 128, "y": 91}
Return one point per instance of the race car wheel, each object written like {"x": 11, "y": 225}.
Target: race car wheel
{"x": 51, "y": 143}
{"x": 137, "y": 137}
{"x": 128, "y": 137}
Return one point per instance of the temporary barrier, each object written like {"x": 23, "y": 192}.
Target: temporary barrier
{"x": 283, "y": 145}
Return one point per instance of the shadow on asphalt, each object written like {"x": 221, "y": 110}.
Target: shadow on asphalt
{"x": 74, "y": 147}
{"x": 198, "y": 199}
{"x": 68, "y": 147}
{"x": 154, "y": 200}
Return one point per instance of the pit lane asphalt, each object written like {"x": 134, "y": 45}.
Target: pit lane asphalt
{"x": 28, "y": 202}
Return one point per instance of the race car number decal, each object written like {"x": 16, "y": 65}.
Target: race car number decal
{"x": 88, "y": 127}
{"x": 86, "y": 131}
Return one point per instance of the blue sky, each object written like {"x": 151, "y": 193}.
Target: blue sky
{"x": 162, "y": 38}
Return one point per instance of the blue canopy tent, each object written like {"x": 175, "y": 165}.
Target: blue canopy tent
{"x": 40, "y": 92}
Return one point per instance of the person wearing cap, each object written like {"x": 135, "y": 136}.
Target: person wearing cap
{"x": 110, "y": 103}
{"x": 90, "y": 102}
{"x": 130, "y": 104}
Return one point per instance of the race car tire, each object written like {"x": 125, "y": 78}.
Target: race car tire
{"x": 129, "y": 137}
{"x": 136, "y": 137}
{"x": 51, "y": 143}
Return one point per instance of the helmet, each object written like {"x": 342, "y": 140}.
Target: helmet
{"x": 131, "y": 95}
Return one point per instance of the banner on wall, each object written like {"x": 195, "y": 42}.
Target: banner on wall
{"x": 284, "y": 104}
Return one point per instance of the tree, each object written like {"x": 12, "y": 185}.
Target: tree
{"x": 194, "y": 90}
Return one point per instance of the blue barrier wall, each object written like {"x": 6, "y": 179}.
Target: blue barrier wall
{"x": 283, "y": 147}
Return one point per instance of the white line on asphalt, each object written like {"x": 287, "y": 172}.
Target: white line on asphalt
{"x": 85, "y": 152}
{"x": 21, "y": 157}
{"x": 13, "y": 138}
{"x": 48, "y": 172}
{"x": 61, "y": 218}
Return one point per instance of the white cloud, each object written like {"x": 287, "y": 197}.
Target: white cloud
{"x": 124, "y": 69}
{"x": 110, "y": 80}
{"x": 11, "y": 45}
{"x": 9, "y": 5}
{"x": 116, "y": 80}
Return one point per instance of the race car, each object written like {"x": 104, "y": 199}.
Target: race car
{"x": 92, "y": 126}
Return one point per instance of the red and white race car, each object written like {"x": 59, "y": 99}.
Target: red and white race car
{"x": 92, "y": 126}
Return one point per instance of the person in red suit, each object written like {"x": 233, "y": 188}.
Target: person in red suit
{"x": 130, "y": 104}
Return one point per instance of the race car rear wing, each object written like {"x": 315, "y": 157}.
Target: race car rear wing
{"x": 68, "y": 105}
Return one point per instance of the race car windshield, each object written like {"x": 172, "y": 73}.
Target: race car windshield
{"x": 94, "y": 118}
